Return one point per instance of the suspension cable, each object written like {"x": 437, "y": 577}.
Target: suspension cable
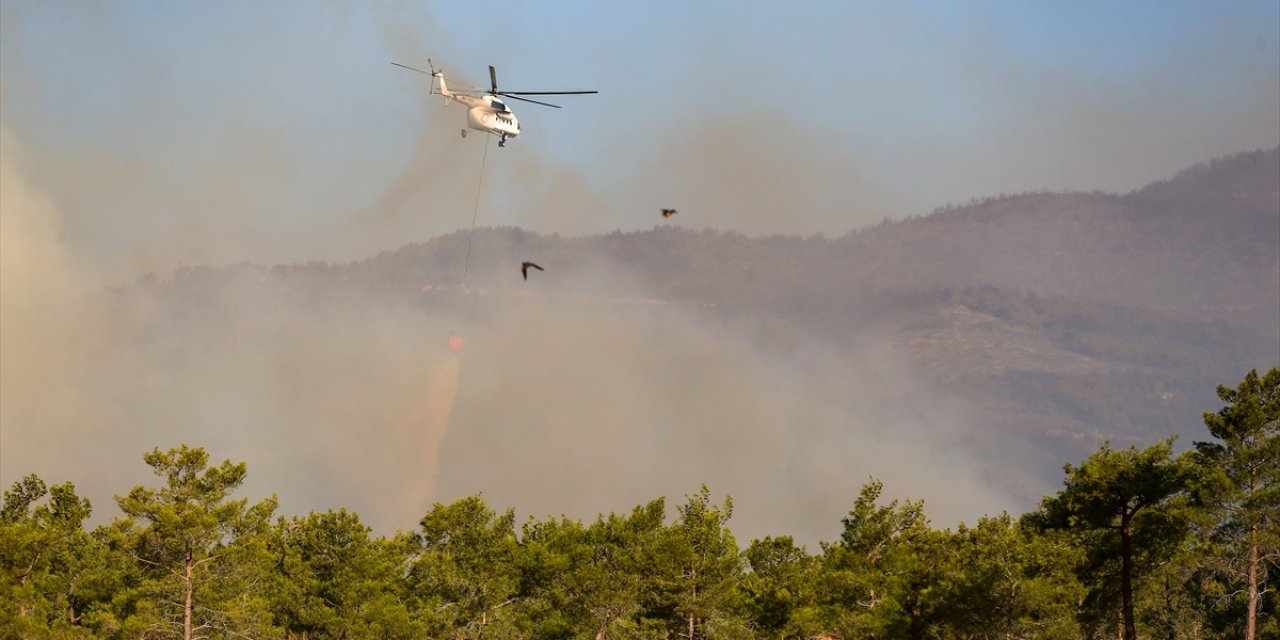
{"x": 466, "y": 264}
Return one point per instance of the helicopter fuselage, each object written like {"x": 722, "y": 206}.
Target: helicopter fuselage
{"x": 486, "y": 113}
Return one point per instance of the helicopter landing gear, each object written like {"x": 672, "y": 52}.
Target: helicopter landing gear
{"x": 464, "y": 133}
{"x": 502, "y": 142}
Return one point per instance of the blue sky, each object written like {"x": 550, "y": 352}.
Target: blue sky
{"x": 172, "y": 133}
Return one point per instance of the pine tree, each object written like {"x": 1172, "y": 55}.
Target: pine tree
{"x": 202, "y": 553}
{"x": 1238, "y": 486}
{"x": 1117, "y": 504}
{"x": 465, "y": 573}
{"x": 43, "y": 556}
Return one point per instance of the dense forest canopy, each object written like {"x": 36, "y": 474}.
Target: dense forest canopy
{"x": 1145, "y": 541}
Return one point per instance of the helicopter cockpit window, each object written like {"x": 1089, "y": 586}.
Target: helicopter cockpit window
{"x": 498, "y": 106}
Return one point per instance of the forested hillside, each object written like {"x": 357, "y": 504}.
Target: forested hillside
{"x": 1200, "y": 246}
{"x": 1137, "y": 540}
{"x": 1056, "y": 319}
{"x": 963, "y": 356}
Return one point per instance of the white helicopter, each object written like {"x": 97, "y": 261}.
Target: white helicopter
{"x": 485, "y": 110}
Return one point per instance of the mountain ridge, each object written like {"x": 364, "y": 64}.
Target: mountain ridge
{"x": 1059, "y": 319}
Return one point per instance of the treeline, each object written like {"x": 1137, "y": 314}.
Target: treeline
{"x": 1138, "y": 543}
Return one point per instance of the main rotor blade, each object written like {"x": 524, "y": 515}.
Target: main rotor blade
{"x": 493, "y": 78}
{"x": 410, "y": 68}
{"x": 545, "y": 104}
{"x": 545, "y": 93}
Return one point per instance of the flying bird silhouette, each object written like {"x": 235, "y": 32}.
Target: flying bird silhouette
{"x": 667, "y": 213}
{"x": 524, "y": 268}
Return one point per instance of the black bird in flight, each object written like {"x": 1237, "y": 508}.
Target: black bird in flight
{"x": 667, "y": 213}
{"x": 524, "y": 268}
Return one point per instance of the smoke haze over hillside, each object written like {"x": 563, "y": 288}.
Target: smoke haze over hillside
{"x": 637, "y": 365}
{"x": 557, "y": 404}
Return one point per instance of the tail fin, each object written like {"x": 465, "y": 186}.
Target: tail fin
{"x": 444, "y": 88}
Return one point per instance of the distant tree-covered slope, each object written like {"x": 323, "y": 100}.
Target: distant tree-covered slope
{"x": 1204, "y": 245}
{"x": 1067, "y": 316}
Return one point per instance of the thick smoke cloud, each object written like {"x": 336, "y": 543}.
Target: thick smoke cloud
{"x": 571, "y": 403}
{"x": 39, "y": 285}
{"x": 582, "y": 406}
